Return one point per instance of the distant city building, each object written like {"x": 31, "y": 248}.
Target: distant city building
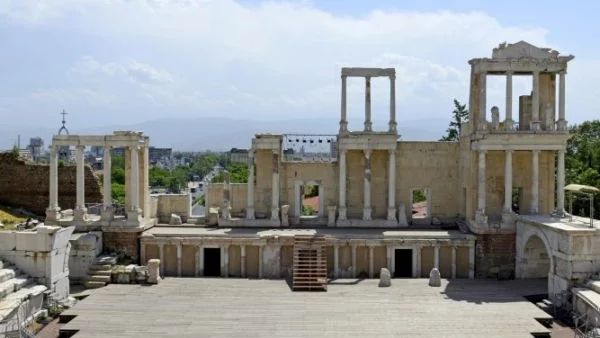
{"x": 118, "y": 151}
{"x": 239, "y": 155}
{"x": 97, "y": 151}
{"x": 25, "y": 154}
{"x": 160, "y": 155}
{"x": 36, "y": 148}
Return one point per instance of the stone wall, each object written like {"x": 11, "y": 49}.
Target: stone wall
{"x": 167, "y": 204}
{"x": 85, "y": 247}
{"x": 495, "y": 256}
{"x": 122, "y": 242}
{"x": 238, "y": 197}
{"x": 26, "y": 185}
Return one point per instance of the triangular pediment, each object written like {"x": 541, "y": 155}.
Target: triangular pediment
{"x": 523, "y": 50}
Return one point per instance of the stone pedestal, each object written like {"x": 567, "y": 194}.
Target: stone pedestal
{"x": 331, "y": 215}
{"x": 225, "y": 211}
{"x": 391, "y": 214}
{"x": 285, "y": 209}
{"x": 52, "y": 214}
{"x": 562, "y": 125}
{"x": 134, "y": 217}
{"x": 275, "y": 214}
{"x": 342, "y": 214}
{"x": 250, "y": 213}
{"x": 80, "y": 214}
{"x": 402, "y": 221}
{"x": 535, "y": 125}
{"x": 481, "y": 218}
{"x": 108, "y": 213}
{"x": 154, "y": 271}
{"x": 367, "y": 214}
{"x": 509, "y": 125}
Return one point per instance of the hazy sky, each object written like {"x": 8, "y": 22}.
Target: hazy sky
{"x": 112, "y": 62}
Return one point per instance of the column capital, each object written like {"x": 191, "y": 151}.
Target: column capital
{"x": 80, "y": 147}
{"x": 367, "y": 153}
{"x": 392, "y": 151}
{"x": 344, "y": 77}
{"x": 509, "y": 72}
{"x": 508, "y": 151}
{"x": 562, "y": 72}
{"x": 392, "y": 77}
{"x": 536, "y": 151}
{"x": 482, "y": 151}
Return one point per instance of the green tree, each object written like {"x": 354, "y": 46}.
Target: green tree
{"x": 118, "y": 192}
{"x": 15, "y": 152}
{"x": 460, "y": 115}
{"x": 238, "y": 172}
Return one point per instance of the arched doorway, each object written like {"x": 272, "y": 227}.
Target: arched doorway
{"x": 535, "y": 260}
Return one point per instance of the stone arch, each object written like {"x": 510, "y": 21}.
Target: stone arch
{"x": 534, "y": 255}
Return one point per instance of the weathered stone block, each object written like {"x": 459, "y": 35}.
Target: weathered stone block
{"x": 435, "y": 278}
{"x": 385, "y": 278}
{"x": 175, "y": 220}
{"x": 154, "y": 271}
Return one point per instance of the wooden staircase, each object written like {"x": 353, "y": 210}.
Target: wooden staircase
{"x": 310, "y": 264}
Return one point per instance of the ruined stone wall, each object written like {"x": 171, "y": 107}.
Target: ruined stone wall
{"x": 122, "y": 242}
{"x": 238, "y": 197}
{"x": 264, "y": 183}
{"x": 26, "y": 185}
{"x": 495, "y": 256}
{"x": 167, "y": 204}
{"x": 326, "y": 173}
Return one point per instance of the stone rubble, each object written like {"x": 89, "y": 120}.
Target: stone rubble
{"x": 385, "y": 278}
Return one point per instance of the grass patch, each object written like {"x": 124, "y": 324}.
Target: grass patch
{"x": 10, "y": 218}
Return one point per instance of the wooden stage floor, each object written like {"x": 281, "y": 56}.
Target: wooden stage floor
{"x": 204, "y": 307}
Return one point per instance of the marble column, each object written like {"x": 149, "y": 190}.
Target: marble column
{"x": 368, "y": 123}
{"x": 391, "y": 216}
{"x": 161, "y": 255}
{"x": 367, "y": 187}
{"x": 179, "y": 259}
{"x": 480, "y": 216}
{"x": 418, "y": 263}
{"x": 508, "y": 123}
{"x": 471, "y": 262}
{"x": 371, "y": 260}
{"x": 342, "y": 198}
{"x": 535, "y": 102}
{"x": 80, "y": 210}
{"x": 201, "y": 260}
{"x": 336, "y": 261}
{"x": 107, "y": 208}
{"x": 535, "y": 182}
{"x": 436, "y": 257}
{"x": 354, "y": 261}
{"x": 561, "y": 123}
{"x": 243, "y": 261}
{"x": 53, "y": 211}
{"x": 393, "y": 124}
{"x": 482, "y": 101}
{"x": 453, "y": 262}
{"x": 389, "y": 256}
{"x": 508, "y": 182}
{"x": 134, "y": 212}
{"x": 560, "y": 184}
{"x": 260, "y": 261}
{"x": 197, "y": 262}
{"x": 275, "y": 188}
{"x": 343, "y": 119}
{"x": 225, "y": 257}
{"x": 250, "y": 207}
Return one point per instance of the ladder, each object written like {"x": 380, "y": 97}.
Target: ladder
{"x": 310, "y": 263}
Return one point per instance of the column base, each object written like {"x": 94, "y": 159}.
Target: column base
{"x": 393, "y": 127}
{"x": 80, "y": 214}
{"x": 134, "y": 217}
{"x": 368, "y": 126}
{"x": 509, "y": 125}
{"x": 482, "y": 125}
{"x": 535, "y": 125}
{"x": 481, "y": 218}
{"x": 108, "y": 213}
{"x": 225, "y": 211}
{"x": 343, "y": 126}
{"x": 367, "y": 214}
{"x": 508, "y": 219}
{"x": 342, "y": 214}
{"x": 250, "y": 213}
{"x": 331, "y": 215}
{"x": 391, "y": 214}
{"x": 562, "y": 125}
{"x": 274, "y": 214}
{"x": 52, "y": 214}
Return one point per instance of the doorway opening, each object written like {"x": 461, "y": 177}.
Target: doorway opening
{"x": 309, "y": 195}
{"x": 420, "y": 203}
{"x": 517, "y": 199}
{"x": 403, "y": 263}
{"x": 212, "y": 262}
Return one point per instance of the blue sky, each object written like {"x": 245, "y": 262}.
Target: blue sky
{"x": 119, "y": 62}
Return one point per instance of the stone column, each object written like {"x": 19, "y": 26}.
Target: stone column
{"x": 508, "y": 182}
{"x": 480, "y": 216}
{"x": 418, "y": 264}
{"x": 389, "y": 255}
{"x": 342, "y": 200}
{"x": 393, "y": 124}
{"x": 343, "y": 119}
{"x": 354, "y": 261}
{"x": 201, "y": 260}
{"x": 368, "y": 123}
{"x": 471, "y": 262}
{"x": 535, "y": 182}
{"x": 336, "y": 261}
{"x": 260, "y": 261}
{"x": 371, "y": 260}
{"x": 133, "y": 215}
{"x": 225, "y": 256}
{"x": 226, "y": 206}
{"x": 391, "y": 216}
{"x": 53, "y": 211}
{"x": 197, "y": 262}
{"x": 80, "y": 210}
{"x": 508, "y": 123}
{"x": 482, "y": 101}
{"x": 107, "y": 209}
{"x": 243, "y": 261}
{"x": 453, "y": 262}
{"x": 250, "y": 208}
{"x": 560, "y": 184}
{"x": 436, "y": 257}
{"x": 161, "y": 254}
{"x": 562, "y": 123}
{"x": 275, "y": 188}
{"x": 535, "y": 102}
{"x": 367, "y": 191}
{"x": 179, "y": 260}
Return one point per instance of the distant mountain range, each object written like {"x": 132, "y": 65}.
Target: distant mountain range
{"x": 219, "y": 134}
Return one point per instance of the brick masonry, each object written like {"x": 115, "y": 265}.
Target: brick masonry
{"x": 127, "y": 243}
{"x": 495, "y": 256}
{"x": 26, "y": 185}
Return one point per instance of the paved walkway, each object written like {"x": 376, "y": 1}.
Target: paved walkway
{"x": 202, "y": 307}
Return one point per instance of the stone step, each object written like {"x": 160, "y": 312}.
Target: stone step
{"x": 6, "y": 274}
{"x": 106, "y": 260}
{"x": 12, "y": 301}
{"x": 594, "y": 285}
{"x": 96, "y": 267}
{"x": 100, "y": 272}
{"x": 93, "y": 285}
{"x": 98, "y": 278}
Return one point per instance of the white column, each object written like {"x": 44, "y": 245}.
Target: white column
{"x": 367, "y": 188}
{"x": 52, "y": 213}
{"x": 414, "y": 262}
{"x": 143, "y": 259}
{"x": 392, "y": 124}
{"x": 368, "y": 123}
{"x": 560, "y": 184}
{"x": 453, "y": 262}
{"x": 482, "y": 101}
{"x": 260, "y": 261}
{"x": 354, "y": 261}
{"x": 436, "y": 257}
{"x": 107, "y": 178}
{"x": 392, "y": 186}
{"x": 161, "y": 254}
{"x": 243, "y": 259}
{"x": 389, "y": 255}
{"x": 508, "y": 181}
{"x": 343, "y": 119}
{"x": 508, "y": 123}
{"x": 135, "y": 179}
{"x": 250, "y": 208}
{"x": 197, "y": 262}
{"x": 535, "y": 102}
{"x": 342, "y": 187}
{"x": 535, "y": 182}
{"x": 471, "y": 262}
{"x": 201, "y": 260}
{"x": 418, "y": 264}
{"x": 562, "y": 123}
{"x": 179, "y": 260}
{"x": 336, "y": 261}
{"x": 80, "y": 210}
{"x": 275, "y": 188}
{"x": 481, "y": 191}
{"x": 371, "y": 260}
{"x": 225, "y": 256}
